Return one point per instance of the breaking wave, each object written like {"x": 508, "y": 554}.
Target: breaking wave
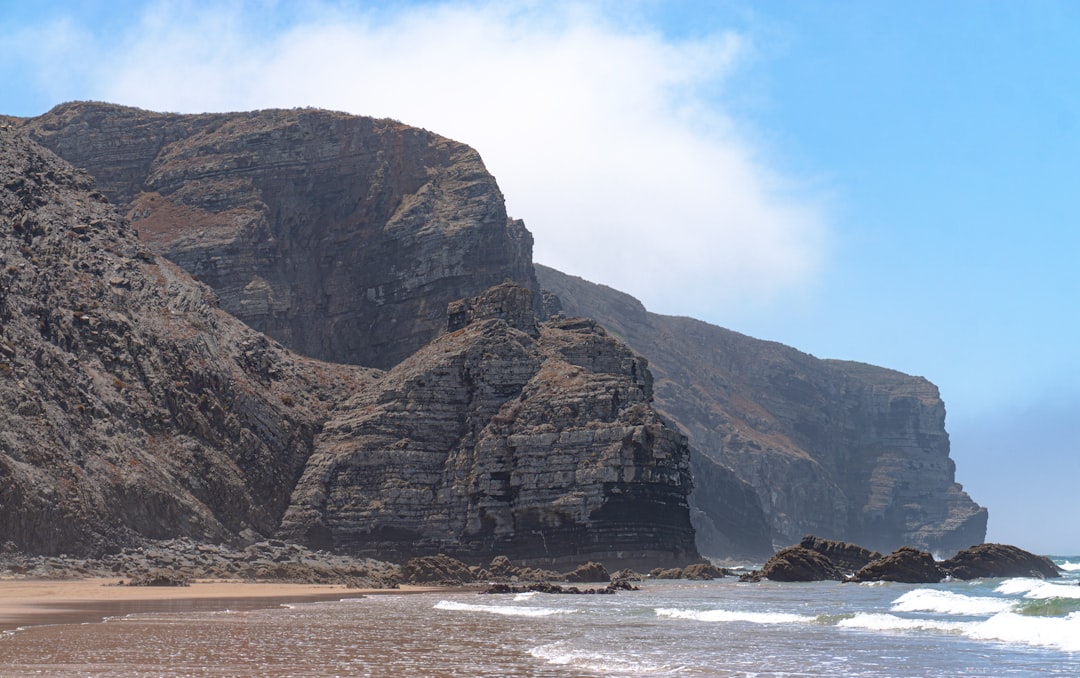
{"x": 946, "y": 602}
{"x": 563, "y": 654}
{"x": 733, "y": 616}
{"x": 508, "y": 610}
{"x": 1037, "y": 588}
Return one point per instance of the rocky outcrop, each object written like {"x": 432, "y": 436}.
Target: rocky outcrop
{"x": 134, "y": 408}
{"x": 797, "y": 564}
{"x": 589, "y": 572}
{"x": 999, "y": 560}
{"x": 905, "y": 564}
{"x": 534, "y": 441}
{"x": 694, "y": 572}
{"x": 439, "y": 570}
{"x": 184, "y": 559}
{"x": 131, "y": 406}
{"x": 850, "y": 451}
{"x": 342, "y": 237}
{"x": 846, "y": 557}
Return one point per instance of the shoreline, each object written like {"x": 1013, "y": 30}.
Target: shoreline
{"x": 37, "y": 602}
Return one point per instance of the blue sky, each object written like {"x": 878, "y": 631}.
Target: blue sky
{"x": 889, "y": 182}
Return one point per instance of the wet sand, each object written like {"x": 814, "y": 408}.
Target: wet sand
{"x": 25, "y": 602}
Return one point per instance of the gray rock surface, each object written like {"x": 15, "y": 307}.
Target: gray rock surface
{"x": 131, "y": 406}
{"x": 343, "y": 237}
{"x": 534, "y": 441}
{"x": 849, "y": 451}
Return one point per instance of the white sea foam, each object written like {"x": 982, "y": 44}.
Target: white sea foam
{"x": 733, "y": 616}
{"x": 946, "y": 602}
{"x": 508, "y": 610}
{"x": 1062, "y": 633}
{"x": 1069, "y": 566}
{"x": 522, "y": 597}
{"x": 889, "y": 622}
{"x": 563, "y": 654}
{"x": 1037, "y": 588}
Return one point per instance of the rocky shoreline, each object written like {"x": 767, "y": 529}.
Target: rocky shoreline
{"x": 177, "y": 562}
{"x": 816, "y": 559}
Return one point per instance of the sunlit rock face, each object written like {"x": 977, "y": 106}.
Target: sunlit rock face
{"x": 131, "y": 405}
{"x": 343, "y": 237}
{"x": 532, "y": 440}
{"x": 843, "y": 450}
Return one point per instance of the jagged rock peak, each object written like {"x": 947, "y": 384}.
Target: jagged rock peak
{"x": 509, "y": 302}
{"x": 491, "y": 440}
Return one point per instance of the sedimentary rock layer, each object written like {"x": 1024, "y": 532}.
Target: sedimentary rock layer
{"x": 131, "y": 406}
{"x": 844, "y": 450}
{"x": 504, "y": 436}
{"x": 342, "y": 237}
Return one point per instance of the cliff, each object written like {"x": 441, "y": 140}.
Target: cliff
{"x": 504, "y": 436}
{"x": 844, "y": 450}
{"x": 368, "y": 242}
{"x": 343, "y": 237}
{"x": 131, "y": 406}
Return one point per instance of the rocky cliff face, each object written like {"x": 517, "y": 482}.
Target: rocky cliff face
{"x": 352, "y": 239}
{"x": 133, "y": 407}
{"x": 130, "y": 405}
{"x": 502, "y": 436}
{"x": 343, "y": 237}
{"x": 844, "y": 450}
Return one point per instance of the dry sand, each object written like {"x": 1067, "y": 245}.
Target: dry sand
{"x": 26, "y": 602}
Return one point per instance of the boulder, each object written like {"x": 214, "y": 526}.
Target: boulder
{"x": 440, "y": 570}
{"x": 905, "y": 564}
{"x": 589, "y": 572}
{"x": 999, "y": 560}
{"x": 847, "y": 557}
{"x": 160, "y": 578}
{"x": 796, "y": 563}
{"x": 702, "y": 572}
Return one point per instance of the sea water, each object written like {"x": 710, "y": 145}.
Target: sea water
{"x": 986, "y": 627}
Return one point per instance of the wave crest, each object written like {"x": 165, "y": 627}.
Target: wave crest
{"x": 508, "y": 610}
{"x": 946, "y": 602}
{"x": 732, "y": 616}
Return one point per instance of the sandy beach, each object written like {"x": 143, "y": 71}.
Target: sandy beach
{"x": 26, "y": 602}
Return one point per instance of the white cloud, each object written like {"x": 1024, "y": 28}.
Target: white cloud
{"x": 607, "y": 139}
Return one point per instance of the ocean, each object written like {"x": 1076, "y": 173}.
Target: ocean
{"x": 988, "y": 627}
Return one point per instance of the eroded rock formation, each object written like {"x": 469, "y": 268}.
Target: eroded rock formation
{"x": 845, "y": 450}
{"x": 999, "y": 560}
{"x": 361, "y": 241}
{"x": 131, "y": 406}
{"x": 507, "y": 436}
{"x": 342, "y": 237}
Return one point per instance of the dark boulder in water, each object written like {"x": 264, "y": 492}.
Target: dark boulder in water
{"x": 796, "y": 563}
{"x": 847, "y": 557}
{"x": 999, "y": 560}
{"x": 905, "y": 564}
